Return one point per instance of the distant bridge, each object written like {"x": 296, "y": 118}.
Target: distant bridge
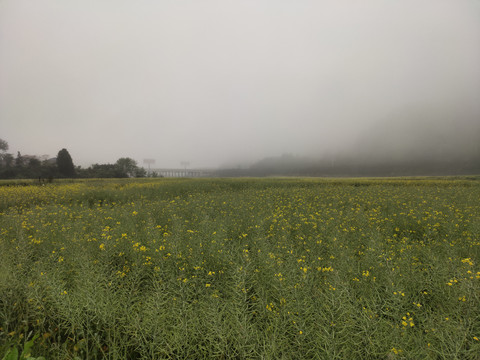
{"x": 185, "y": 173}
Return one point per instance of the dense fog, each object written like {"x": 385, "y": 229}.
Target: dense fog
{"x": 238, "y": 84}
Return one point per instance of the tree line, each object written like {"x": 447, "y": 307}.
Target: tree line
{"x": 62, "y": 166}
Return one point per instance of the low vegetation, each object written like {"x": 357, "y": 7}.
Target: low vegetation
{"x": 241, "y": 268}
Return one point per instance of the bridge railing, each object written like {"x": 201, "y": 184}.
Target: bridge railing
{"x": 184, "y": 173}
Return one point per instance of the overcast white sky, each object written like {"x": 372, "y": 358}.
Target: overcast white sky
{"x": 216, "y": 81}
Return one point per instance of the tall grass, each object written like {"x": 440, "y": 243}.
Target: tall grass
{"x": 242, "y": 268}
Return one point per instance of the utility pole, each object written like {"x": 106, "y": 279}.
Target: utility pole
{"x": 149, "y": 162}
{"x": 185, "y": 164}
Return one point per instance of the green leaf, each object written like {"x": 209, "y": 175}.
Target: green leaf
{"x": 12, "y": 354}
{"x": 26, "y": 348}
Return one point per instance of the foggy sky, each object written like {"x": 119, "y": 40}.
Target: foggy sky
{"x": 226, "y": 81}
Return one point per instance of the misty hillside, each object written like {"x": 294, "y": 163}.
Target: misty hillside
{"x": 419, "y": 137}
{"x": 418, "y": 144}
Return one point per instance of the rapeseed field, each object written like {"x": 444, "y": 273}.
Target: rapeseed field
{"x": 242, "y": 269}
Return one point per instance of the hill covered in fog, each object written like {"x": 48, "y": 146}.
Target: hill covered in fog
{"x": 413, "y": 142}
